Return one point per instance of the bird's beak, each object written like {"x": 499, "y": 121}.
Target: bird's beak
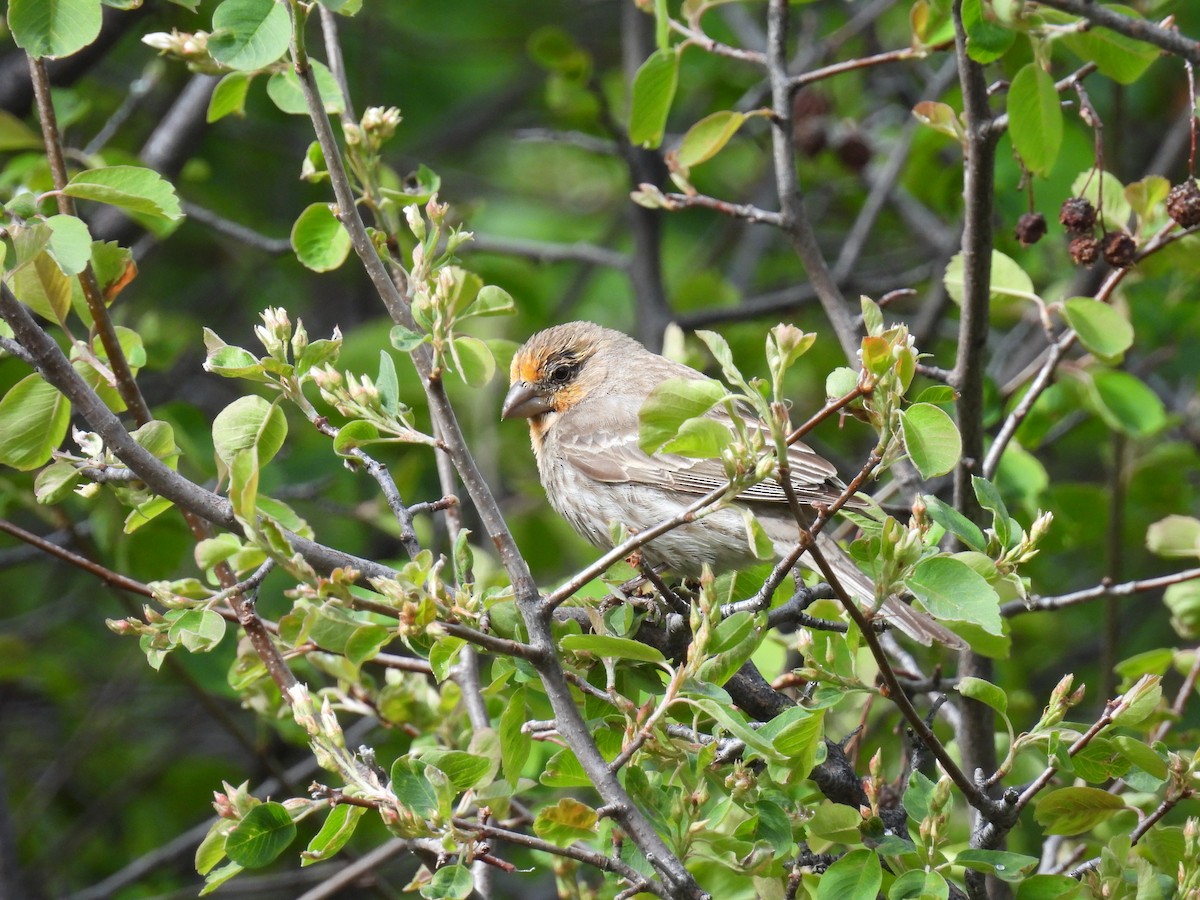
{"x": 524, "y": 401}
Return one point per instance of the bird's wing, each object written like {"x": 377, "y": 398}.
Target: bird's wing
{"x": 600, "y": 438}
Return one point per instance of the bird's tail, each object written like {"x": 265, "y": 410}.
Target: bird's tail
{"x": 916, "y": 624}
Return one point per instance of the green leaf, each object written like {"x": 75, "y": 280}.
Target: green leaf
{"x": 42, "y": 286}
{"x": 34, "y": 418}
{"x": 1183, "y": 600}
{"x": 1125, "y": 403}
{"x": 388, "y": 384}
{"x": 987, "y": 39}
{"x": 1011, "y": 867}
{"x": 706, "y": 138}
{"x": 856, "y": 876}
{"x": 1074, "y": 810}
{"x": 491, "y": 301}
{"x": 566, "y": 822}
{"x": 1114, "y": 213}
{"x": 337, "y": 830}
{"x": 1146, "y": 196}
{"x": 199, "y": 630}
{"x": 249, "y": 34}
{"x": 1117, "y": 57}
{"x": 412, "y": 788}
{"x": 653, "y": 90}
{"x": 1008, "y": 281}
{"x": 1035, "y": 120}
{"x": 941, "y": 117}
{"x": 249, "y": 423}
{"x": 1101, "y": 328}
{"x": 699, "y": 438}
{"x": 449, "y": 883}
{"x": 55, "y": 482}
{"x": 670, "y": 404}
{"x": 610, "y": 647}
{"x": 54, "y": 28}
{"x": 320, "y": 241}
{"x": 917, "y": 884}
{"x": 950, "y": 589}
{"x": 955, "y": 523}
{"x": 1175, "y": 536}
{"x": 800, "y": 741}
{"x": 406, "y": 340}
{"x": 286, "y": 93}
{"x": 1049, "y": 887}
{"x": 16, "y": 135}
{"x": 474, "y": 360}
{"x": 261, "y": 836}
{"x": 515, "y": 745}
{"x": 931, "y": 439}
{"x": 70, "y": 243}
{"x": 465, "y": 770}
{"x": 985, "y": 692}
{"x": 134, "y": 189}
{"x": 357, "y": 433}
{"x": 229, "y": 96}
{"x": 833, "y": 823}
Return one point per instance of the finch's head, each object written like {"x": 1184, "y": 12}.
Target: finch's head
{"x": 557, "y": 368}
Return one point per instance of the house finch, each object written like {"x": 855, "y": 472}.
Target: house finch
{"x": 581, "y": 387}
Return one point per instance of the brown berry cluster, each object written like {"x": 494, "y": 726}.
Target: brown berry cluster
{"x": 1183, "y": 204}
{"x": 1078, "y": 216}
{"x": 1031, "y": 228}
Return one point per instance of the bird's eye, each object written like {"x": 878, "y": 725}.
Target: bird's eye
{"x": 561, "y": 374}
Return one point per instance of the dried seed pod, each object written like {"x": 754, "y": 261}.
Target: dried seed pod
{"x": 1084, "y": 249}
{"x": 1031, "y": 228}
{"x": 1078, "y": 215}
{"x": 1119, "y": 249}
{"x": 1183, "y": 203}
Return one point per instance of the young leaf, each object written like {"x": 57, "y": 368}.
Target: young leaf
{"x": 706, "y": 138}
{"x": 285, "y": 92}
{"x": 1100, "y": 327}
{"x": 338, "y": 829}
{"x": 1114, "y": 213}
{"x": 566, "y": 822}
{"x": 249, "y": 423}
{"x": 228, "y": 97}
{"x": 473, "y": 359}
{"x": 670, "y": 404}
{"x": 1074, "y": 810}
{"x": 985, "y": 692}
{"x": 33, "y": 422}
{"x": 1008, "y": 282}
{"x": 320, "y": 241}
{"x": 261, "y": 836}
{"x": 1125, "y": 403}
{"x": 987, "y": 39}
{"x": 452, "y": 882}
{"x": 950, "y": 589}
{"x": 70, "y": 243}
{"x": 1174, "y": 536}
{"x": 134, "y": 189}
{"x": 609, "y": 647}
{"x": 1006, "y": 866}
{"x": 249, "y": 34}
{"x": 54, "y": 28}
{"x": 653, "y": 90}
{"x": 856, "y": 876}
{"x": 1035, "y": 120}
{"x": 1118, "y": 57}
{"x": 931, "y": 439}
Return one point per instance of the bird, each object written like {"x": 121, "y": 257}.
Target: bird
{"x": 581, "y": 386}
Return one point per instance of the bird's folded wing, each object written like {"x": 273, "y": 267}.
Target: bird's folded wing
{"x": 604, "y": 446}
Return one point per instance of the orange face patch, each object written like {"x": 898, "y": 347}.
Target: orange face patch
{"x": 526, "y": 368}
